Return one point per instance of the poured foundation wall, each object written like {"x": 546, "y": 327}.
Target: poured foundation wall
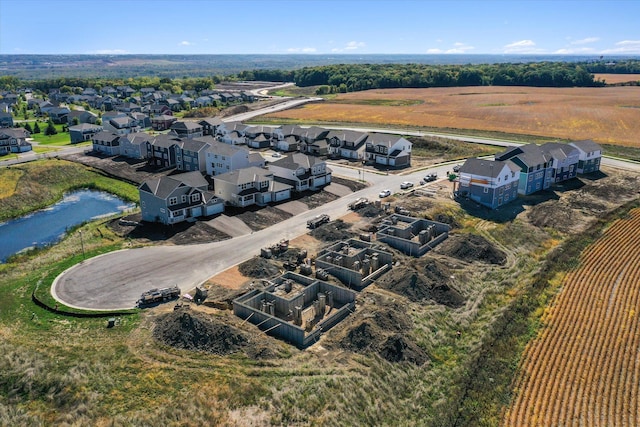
{"x": 255, "y": 306}
{"x": 412, "y": 236}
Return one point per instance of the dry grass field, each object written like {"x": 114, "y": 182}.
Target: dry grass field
{"x": 583, "y": 369}
{"x": 606, "y": 115}
{"x": 618, "y": 78}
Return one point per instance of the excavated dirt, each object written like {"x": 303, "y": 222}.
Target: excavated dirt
{"x": 258, "y": 218}
{"x": 333, "y": 231}
{"x": 432, "y": 283}
{"x": 198, "y": 332}
{"x": 178, "y": 234}
{"x": 554, "y": 214}
{"x": 472, "y": 247}
{"x": 259, "y": 268}
{"x": 398, "y": 348}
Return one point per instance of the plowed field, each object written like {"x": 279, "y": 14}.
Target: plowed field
{"x": 584, "y": 367}
{"x": 606, "y": 115}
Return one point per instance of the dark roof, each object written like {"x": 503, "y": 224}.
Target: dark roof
{"x": 162, "y": 187}
{"x": 529, "y": 154}
{"x": 297, "y": 160}
{"x": 211, "y": 121}
{"x": 386, "y": 139}
{"x": 186, "y": 125}
{"x": 166, "y": 141}
{"x": 246, "y": 175}
{"x": 587, "y": 145}
{"x": 106, "y": 136}
{"x": 347, "y": 135}
{"x": 490, "y": 168}
{"x": 558, "y": 150}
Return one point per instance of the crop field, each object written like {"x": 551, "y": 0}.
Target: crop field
{"x": 583, "y": 368}
{"x": 618, "y": 78}
{"x": 608, "y": 115}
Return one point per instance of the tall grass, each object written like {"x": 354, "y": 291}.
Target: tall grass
{"x": 42, "y": 183}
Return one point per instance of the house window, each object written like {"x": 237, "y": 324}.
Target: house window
{"x": 195, "y": 197}
{"x": 530, "y": 178}
{"x": 173, "y": 201}
{"x": 486, "y": 189}
{"x": 184, "y": 198}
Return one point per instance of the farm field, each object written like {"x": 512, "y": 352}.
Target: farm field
{"x": 583, "y": 367}
{"x": 617, "y": 78}
{"x": 608, "y": 115}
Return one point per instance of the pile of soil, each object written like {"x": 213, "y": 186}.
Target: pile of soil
{"x": 258, "y": 267}
{"x": 259, "y": 218}
{"x": 199, "y": 332}
{"x": 472, "y": 247}
{"x": 398, "y": 348}
{"x": 431, "y": 284}
{"x": 333, "y": 231}
{"x": 361, "y": 338}
{"x": 370, "y": 211}
{"x": 556, "y": 214}
{"x": 353, "y": 185}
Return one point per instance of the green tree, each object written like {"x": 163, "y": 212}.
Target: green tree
{"x": 51, "y": 129}
{"x": 36, "y": 128}
{"x": 28, "y": 128}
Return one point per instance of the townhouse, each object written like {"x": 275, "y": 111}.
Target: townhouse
{"x": 221, "y": 158}
{"x": 250, "y": 186}
{"x": 173, "y": 199}
{"x": 535, "y": 167}
{"x": 491, "y": 183}
{"x": 301, "y": 172}
{"x": 388, "y": 150}
{"x": 589, "y": 156}
{"x": 347, "y": 144}
{"x": 563, "y": 160}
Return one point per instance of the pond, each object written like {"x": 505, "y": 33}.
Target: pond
{"x": 49, "y": 225}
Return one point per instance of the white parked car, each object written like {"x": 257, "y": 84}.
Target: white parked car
{"x": 406, "y": 185}
{"x": 384, "y": 193}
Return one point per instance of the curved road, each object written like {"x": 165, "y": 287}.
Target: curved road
{"x": 116, "y": 280}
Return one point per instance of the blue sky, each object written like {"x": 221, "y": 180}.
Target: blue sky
{"x": 580, "y": 27}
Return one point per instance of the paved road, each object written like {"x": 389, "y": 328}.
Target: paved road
{"x": 116, "y": 280}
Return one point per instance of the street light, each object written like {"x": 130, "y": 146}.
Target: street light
{"x": 81, "y": 243}
{"x": 363, "y": 162}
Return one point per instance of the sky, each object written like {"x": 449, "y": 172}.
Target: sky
{"x": 574, "y": 27}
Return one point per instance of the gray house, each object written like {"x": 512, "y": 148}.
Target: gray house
{"x": 107, "y": 143}
{"x": 590, "y": 156}
{"x": 250, "y": 186}
{"x": 83, "y": 132}
{"x": 563, "y": 162}
{"x": 134, "y": 145}
{"x": 491, "y": 183}
{"x": 191, "y": 155}
{"x": 302, "y": 172}
{"x": 177, "y": 198}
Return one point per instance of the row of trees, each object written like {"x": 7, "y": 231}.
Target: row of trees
{"x": 377, "y": 76}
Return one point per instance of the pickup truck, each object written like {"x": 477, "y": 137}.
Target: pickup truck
{"x": 431, "y": 177}
{"x": 357, "y": 204}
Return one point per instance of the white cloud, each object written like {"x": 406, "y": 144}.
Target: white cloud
{"x": 353, "y": 45}
{"x": 625, "y": 47}
{"x": 185, "y": 43}
{"x": 575, "y": 51}
{"x": 109, "y": 52}
{"x": 302, "y": 50}
{"x": 586, "y": 40}
{"x": 458, "y": 47}
{"x": 522, "y": 46}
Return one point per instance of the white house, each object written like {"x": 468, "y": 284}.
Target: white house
{"x": 388, "y": 150}
{"x": 301, "y": 172}
{"x": 590, "y": 156}
{"x": 249, "y": 186}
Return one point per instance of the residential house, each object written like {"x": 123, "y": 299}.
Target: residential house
{"x": 162, "y": 122}
{"x": 388, "y": 150}
{"x": 302, "y": 172}
{"x": 249, "y": 186}
{"x": 191, "y": 155}
{"x": 563, "y": 160}
{"x": 347, "y": 144}
{"x": 590, "y": 156}
{"x": 288, "y": 144}
{"x": 121, "y": 124}
{"x": 14, "y": 140}
{"x": 83, "y": 132}
{"x": 210, "y": 125}
{"x": 172, "y": 103}
{"x": 6, "y": 107}
{"x": 134, "y": 145}
{"x": 158, "y": 109}
{"x": 535, "y": 169}
{"x": 313, "y": 140}
{"x": 203, "y": 101}
{"x": 222, "y": 158}
{"x": 107, "y": 142}
{"x": 125, "y": 91}
{"x": 141, "y": 120}
{"x": 285, "y": 131}
{"x": 130, "y": 107}
{"x": 6, "y": 120}
{"x": 58, "y": 114}
{"x": 161, "y": 152}
{"x": 187, "y": 129}
{"x": 491, "y": 183}
{"x": 78, "y": 117}
{"x": 44, "y": 107}
{"x": 173, "y": 199}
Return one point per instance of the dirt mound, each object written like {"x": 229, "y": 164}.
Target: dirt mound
{"x": 334, "y": 231}
{"x": 370, "y": 211}
{"x": 232, "y": 111}
{"x": 197, "y": 331}
{"x": 472, "y": 247}
{"x": 554, "y": 214}
{"x": 433, "y": 284}
{"x": 258, "y": 267}
{"x": 361, "y": 338}
{"x": 398, "y": 348}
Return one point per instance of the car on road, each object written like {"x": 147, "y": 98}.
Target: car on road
{"x": 384, "y": 193}
{"x": 456, "y": 168}
{"x": 431, "y": 177}
{"x": 276, "y": 155}
{"x": 406, "y": 185}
